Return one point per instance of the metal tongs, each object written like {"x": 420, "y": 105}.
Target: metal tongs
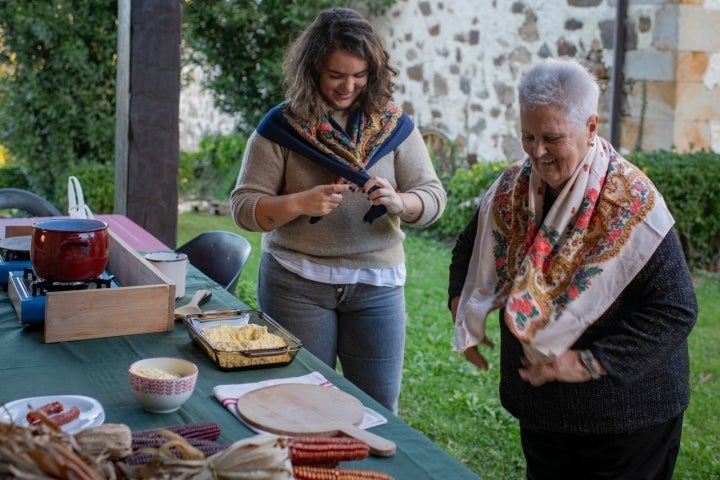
{"x": 216, "y": 314}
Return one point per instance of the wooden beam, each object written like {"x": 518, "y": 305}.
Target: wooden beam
{"x": 122, "y": 106}
{"x": 147, "y": 138}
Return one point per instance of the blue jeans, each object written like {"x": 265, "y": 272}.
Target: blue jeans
{"x": 361, "y": 325}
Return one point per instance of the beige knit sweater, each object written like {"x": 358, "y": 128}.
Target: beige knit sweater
{"x": 341, "y": 238}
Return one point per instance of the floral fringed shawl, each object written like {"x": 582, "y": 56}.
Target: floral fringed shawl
{"x": 556, "y": 272}
{"x": 347, "y": 154}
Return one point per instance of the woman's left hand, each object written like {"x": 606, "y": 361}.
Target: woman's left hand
{"x": 566, "y": 368}
{"x": 384, "y": 194}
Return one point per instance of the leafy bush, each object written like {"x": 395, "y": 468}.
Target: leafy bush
{"x": 57, "y": 85}
{"x": 688, "y": 181}
{"x": 13, "y": 176}
{"x": 464, "y": 190}
{"x": 98, "y": 185}
{"x": 211, "y": 172}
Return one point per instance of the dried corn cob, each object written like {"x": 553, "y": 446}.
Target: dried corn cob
{"x": 200, "y": 430}
{"x": 326, "y": 450}
{"x": 207, "y": 447}
{"x": 111, "y": 439}
{"x": 309, "y": 472}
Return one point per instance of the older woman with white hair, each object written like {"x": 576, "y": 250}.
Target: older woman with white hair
{"x": 575, "y": 248}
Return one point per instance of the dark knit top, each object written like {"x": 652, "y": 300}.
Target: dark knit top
{"x": 641, "y": 340}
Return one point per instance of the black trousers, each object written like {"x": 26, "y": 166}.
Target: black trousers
{"x": 647, "y": 454}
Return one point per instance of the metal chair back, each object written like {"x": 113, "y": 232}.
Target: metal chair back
{"x": 220, "y": 255}
{"x": 31, "y": 204}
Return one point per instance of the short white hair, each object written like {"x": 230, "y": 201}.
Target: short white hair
{"x": 563, "y": 83}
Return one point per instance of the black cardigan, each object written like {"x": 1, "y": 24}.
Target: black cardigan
{"x": 641, "y": 340}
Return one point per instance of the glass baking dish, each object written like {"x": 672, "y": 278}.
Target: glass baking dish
{"x": 242, "y": 358}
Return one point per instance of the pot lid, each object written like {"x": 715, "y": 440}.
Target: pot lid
{"x": 16, "y": 244}
{"x": 73, "y": 225}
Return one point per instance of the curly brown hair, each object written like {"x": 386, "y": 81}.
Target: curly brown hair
{"x": 336, "y": 29}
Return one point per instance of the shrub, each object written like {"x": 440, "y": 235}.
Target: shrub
{"x": 464, "y": 190}
{"x": 688, "y": 181}
{"x": 211, "y": 171}
{"x": 13, "y": 176}
{"x": 57, "y": 84}
{"x": 98, "y": 185}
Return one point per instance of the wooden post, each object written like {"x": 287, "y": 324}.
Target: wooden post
{"x": 147, "y": 147}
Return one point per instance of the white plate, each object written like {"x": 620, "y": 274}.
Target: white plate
{"x": 92, "y": 413}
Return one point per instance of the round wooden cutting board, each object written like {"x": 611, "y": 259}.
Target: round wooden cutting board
{"x": 298, "y": 409}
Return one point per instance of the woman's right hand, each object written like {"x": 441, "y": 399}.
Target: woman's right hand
{"x": 274, "y": 211}
{"x": 322, "y": 199}
{"x": 472, "y": 354}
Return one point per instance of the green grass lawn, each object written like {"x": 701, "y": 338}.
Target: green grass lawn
{"x": 457, "y": 406}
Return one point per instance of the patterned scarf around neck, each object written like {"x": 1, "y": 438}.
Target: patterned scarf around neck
{"x": 347, "y": 154}
{"x": 557, "y": 272}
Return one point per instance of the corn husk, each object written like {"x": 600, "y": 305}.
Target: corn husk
{"x": 44, "y": 452}
{"x": 262, "y": 457}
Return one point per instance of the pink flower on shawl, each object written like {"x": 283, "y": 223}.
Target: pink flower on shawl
{"x": 542, "y": 247}
{"x": 614, "y": 235}
{"x": 500, "y": 262}
{"x": 573, "y": 292}
{"x": 583, "y": 220}
{"x": 635, "y": 206}
{"x": 522, "y": 305}
{"x": 325, "y": 127}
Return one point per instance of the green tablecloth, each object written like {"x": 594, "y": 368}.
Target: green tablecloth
{"x": 98, "y": 368}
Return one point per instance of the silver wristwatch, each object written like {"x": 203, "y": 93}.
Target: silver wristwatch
{"x": 588, "y": 360}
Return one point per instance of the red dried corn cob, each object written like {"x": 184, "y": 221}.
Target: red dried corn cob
{"x": 309, "y": 472}
{"x": 326, "y": 450}
{"x": 201, "y": 430}
{"x": 198, "y": 430}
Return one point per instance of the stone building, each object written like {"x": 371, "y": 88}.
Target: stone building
{"x": 460, "y": 61}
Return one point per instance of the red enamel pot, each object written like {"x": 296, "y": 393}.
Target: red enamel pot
{"x": 69, "y": 249}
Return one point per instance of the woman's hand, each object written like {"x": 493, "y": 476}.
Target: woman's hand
{"x": 566, "y": 368}
{"x": 384, "y": 194}
{"x": 473, "y": 355}
{"x": 273, "y": 211}
{"x": 407, "y": 206}
{"x": 322, "y": 199}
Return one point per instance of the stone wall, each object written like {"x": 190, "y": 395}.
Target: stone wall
{"x": 198, "y": 115}
{"x": 460, "y": 61}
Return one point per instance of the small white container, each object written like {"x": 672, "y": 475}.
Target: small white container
{"x": 174, "y": 265}
{"x": 162, "y": 395}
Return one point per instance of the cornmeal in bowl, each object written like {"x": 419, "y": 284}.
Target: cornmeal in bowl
{"x": 243, "y": 339}
{"x": 230, "y": 338}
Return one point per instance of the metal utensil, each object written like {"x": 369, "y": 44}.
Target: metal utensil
{"x": 216, "y": 314}
{"x": 193, "y": 307}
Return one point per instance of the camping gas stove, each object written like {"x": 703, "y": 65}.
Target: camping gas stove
{"x": 14, "y": 256}
{"x": 27, "y": 292}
